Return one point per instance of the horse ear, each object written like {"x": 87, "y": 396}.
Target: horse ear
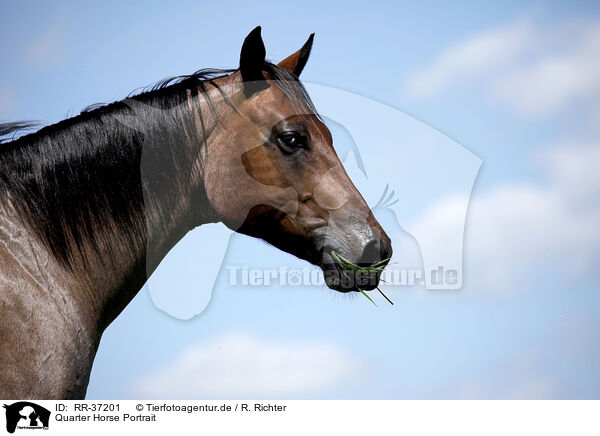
{"x": 296, "y": 62}
{"x": 252, "y": 57}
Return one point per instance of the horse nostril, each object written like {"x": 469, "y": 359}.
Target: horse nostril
{"x": 371, "y": 254}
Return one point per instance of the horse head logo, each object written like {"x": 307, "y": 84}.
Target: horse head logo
{"x": 26, "y": 414}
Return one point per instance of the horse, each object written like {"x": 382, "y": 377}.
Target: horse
{"x": 90, "y": 205}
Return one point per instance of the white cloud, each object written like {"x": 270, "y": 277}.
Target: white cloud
{"x": 242, "y": 366}
{"x": 514, "y": 228}
{"x": 532, "y": 70}
{"x": 471, "y": 58}
{"x": 574, "y": 169}
{"x": 555, "y": 79}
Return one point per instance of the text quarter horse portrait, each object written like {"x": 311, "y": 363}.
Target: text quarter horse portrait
{"x": 91, "y": 205}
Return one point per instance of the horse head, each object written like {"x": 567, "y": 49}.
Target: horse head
{"x": 272, "y": 172}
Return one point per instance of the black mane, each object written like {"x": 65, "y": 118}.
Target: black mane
{"x": 14, "y": 128}
{"x": 68, "y": 179}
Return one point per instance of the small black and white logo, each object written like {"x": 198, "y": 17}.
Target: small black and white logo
{"x": 26, "y": 415}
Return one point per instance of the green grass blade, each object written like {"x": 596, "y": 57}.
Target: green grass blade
{"x": 349, "y": 266}
{"x": 381, "y": 292}
{"x": 365, "y": 294}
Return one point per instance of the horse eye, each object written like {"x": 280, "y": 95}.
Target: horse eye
{"x": 291, "y": 141}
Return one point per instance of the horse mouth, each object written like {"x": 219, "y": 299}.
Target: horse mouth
{"x": 343, "y": 276}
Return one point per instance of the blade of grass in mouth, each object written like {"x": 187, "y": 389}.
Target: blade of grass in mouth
{"x": 365, "y": 294}
{"x": 385, "y": 296}
{"x": 347, "y": 265}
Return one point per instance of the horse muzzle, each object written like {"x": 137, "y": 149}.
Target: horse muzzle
{"x": 343, "y": 274}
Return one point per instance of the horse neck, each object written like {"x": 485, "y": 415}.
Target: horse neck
{"x": 130, "y": 236}
{"x": 69, "y": 181}
{"x": 172, "y": 185}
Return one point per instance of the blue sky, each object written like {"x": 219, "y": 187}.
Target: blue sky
{"x": 515, "y": 83}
